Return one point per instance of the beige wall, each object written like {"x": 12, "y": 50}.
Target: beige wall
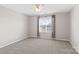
{"x": 32, "y": 26}
{"x": 13, "y": 26}
{"x": 62, "y": 26}
{"x": 75, "y": 27}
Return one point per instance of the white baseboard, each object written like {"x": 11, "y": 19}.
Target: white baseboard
{"x": 17, "y": 40}
{"x": 76, "y": 48}
{"x": 51, "y": 38}
{"x": 62, "y": 39}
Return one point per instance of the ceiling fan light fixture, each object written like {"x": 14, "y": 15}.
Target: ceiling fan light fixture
{"x": 38, "y": 7}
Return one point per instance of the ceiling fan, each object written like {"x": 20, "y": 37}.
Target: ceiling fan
{"x": 38, "y": 7}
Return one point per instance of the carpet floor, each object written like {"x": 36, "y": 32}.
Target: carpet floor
{"x": 39, "y": 46}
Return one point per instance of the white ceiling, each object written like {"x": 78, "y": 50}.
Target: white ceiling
{"x": 46, "y": 8}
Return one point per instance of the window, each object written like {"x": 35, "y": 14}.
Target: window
{"x": 45, "y": 24}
